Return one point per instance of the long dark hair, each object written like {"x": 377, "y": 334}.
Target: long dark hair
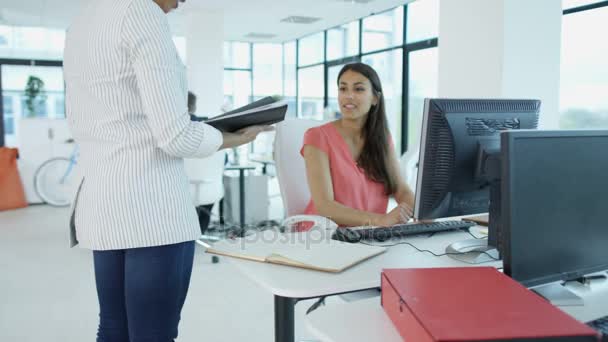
{"x": 374, "y": 156}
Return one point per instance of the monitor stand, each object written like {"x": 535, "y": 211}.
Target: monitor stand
{"x": 472, "y": 251}
{"x": 558, "y": 294}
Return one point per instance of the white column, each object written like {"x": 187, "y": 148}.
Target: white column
{"x": 204, "y": 54}
{"x": 502, "y": 49}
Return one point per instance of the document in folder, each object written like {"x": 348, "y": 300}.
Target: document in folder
{"x": 305, "y": 250}
{"x": 265, "y": 111}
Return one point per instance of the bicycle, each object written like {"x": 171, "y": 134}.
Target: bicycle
{"x": 55, "y": 180}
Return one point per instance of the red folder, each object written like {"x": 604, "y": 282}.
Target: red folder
{"x": 472, "y": 304}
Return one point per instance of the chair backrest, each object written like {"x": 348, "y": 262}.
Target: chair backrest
{"x": 206, "y": 178}
{"x": 290, "y": 166}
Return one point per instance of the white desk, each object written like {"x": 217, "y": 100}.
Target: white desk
{"x": 365, "y": 320}
{"x": 290, "y": 284}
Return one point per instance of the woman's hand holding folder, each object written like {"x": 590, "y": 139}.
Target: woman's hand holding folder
{"x": 243, "y": 136}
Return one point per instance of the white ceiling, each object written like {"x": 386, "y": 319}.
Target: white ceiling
{"x": 240, "y": 16}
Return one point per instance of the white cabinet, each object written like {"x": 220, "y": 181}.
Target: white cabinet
{"x": 38, "y": 140}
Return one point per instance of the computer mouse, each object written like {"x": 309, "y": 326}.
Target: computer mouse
{"x": 346, "y": 235}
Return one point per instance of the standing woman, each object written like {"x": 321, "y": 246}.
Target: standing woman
{"x": 351, "y": 165}
{"x": 126, "y": 98}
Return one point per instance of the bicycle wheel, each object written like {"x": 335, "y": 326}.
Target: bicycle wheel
{"x": 55, "y": 182}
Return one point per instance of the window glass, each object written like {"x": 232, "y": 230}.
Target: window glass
{"x": 310, "y": 92}
{"x": 584, "y": 75}
{"x": 237, "y": 55}
{"x": 237, "y": 89}
{"x": 267, "y": 70}
{"x": 422, "y": 20}
{"x": 343, "y": 41}
{"x": 333, "y": 108}
{"x": 383, "y": 30}
{"x": 310, "y": 50}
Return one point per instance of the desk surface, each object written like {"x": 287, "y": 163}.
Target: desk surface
{"x": 296, "y": 282}
{"x": 334, "y": 323}
{"x": 261, "y": 158}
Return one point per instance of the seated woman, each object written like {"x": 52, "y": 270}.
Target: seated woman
{"x": 351, "y": 165}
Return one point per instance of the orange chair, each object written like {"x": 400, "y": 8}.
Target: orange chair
{"x": 12, "y": 195}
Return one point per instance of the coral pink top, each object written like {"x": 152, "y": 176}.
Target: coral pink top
{"x": 351, "y": 185}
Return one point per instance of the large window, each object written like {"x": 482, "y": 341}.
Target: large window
{"x": 310, "y": 92}
{"x": 584, "y": 75}
{"x": 383, "y": 30}
{"x": 333, "y": 108}
{"x": 237, "y": 55}
{"x": 310, "y": 49}
{"x": 237, "y": 88}
{"x": 237, "y": 75}
{"x": 422, "y": 20}
{"x": 267, "y": 73}
{"x": 343, "y": 41}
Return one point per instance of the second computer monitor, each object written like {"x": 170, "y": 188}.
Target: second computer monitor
{"x": 555, "y": 199}
{"x": 455, "y": 132}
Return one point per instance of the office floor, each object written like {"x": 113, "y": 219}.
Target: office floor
{"x": 48, "y": 292}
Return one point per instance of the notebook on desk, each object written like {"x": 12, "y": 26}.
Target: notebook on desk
{"x": 306, "y": 250}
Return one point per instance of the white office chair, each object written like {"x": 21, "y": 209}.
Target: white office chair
{"x": 206, "y": 178}
{"x": 291, "y": 173}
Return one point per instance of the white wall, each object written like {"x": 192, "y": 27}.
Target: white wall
{"x": 470, "y": 48}
{"x": 502, "y": 49}
{"x": 204, "y": 50}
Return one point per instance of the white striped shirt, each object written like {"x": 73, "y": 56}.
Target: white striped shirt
{"x": 126, "y": 101}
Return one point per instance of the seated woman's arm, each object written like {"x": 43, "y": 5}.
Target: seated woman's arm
{"x": 321, "y": 190}
{"x": 403, "y": 195}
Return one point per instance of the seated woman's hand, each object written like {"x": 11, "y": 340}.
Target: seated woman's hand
{"x": 400, "y": 214}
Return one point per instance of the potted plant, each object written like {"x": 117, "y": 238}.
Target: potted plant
{"x": 35, "y": 95}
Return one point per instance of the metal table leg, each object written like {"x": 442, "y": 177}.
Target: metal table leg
{"x": 242, "y": 197}
{"x": 284, "y": 311}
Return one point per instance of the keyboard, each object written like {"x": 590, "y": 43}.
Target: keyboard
{"x": 601, "y": 325}
{"x": 400, "y": 230}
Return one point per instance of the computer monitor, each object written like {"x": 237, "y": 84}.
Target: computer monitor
{"x": 453, "y": 133}
{"x": 554, "y": 201}
{"x": 459, "y": 138}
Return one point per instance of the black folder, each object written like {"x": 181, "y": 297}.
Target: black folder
{"x": 265, "y": 111}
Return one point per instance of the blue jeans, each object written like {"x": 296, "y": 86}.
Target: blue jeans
{"x": 141, "y": 292}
